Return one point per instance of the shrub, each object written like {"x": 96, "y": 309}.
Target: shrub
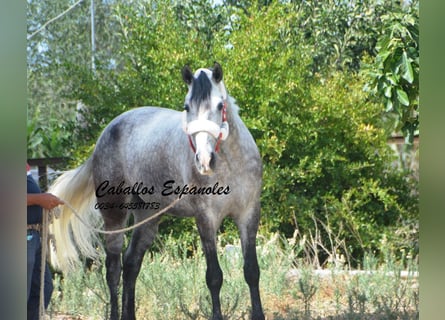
{"x": 171, "y": 285}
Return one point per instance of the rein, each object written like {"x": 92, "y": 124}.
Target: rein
{"x": 220, "y": 133}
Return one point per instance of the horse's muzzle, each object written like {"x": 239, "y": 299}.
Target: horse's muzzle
{"x": 205, "y": 162}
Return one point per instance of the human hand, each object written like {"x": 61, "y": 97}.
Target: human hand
{"x": 45, "y": 200}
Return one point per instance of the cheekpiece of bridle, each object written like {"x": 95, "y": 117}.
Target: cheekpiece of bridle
{"x": 220, "y": 133}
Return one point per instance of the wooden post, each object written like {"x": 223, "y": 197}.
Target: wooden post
{"x": 42, "y": 164}
{"x": 43, "y": 181}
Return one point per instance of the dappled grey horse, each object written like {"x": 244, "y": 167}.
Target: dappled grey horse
{"x": 147, "y": 158}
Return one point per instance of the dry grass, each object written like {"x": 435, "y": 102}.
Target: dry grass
{"x": 171, "y": 286}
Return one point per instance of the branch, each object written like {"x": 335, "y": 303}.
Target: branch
{"x": 53, "y": 19}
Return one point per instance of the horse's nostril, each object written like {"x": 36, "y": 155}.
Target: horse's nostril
{"x": 212, "y": 160}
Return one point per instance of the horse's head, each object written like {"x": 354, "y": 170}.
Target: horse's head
{"x": 204, "y": 117}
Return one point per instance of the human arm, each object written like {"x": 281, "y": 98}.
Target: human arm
{"x": 45, "y": 200}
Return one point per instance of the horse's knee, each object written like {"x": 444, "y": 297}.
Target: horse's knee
{"x": 251, "y": 272}
{"x": 114, "y": 244}
{"x": 112, "y": 259}
{"x": 113, "y": 265}
{"x": 131, "y": 265}
{"x": 214, "y": 277}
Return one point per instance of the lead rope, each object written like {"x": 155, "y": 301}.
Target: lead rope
{"x": 48, "y": 215}
{"x": 157, "y": 214}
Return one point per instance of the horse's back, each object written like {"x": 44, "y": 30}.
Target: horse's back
{"x": 134, "y": 137}
{"x": 139, "y": 127}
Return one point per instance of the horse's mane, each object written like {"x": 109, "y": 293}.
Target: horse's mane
{"x": 201, "y": 89}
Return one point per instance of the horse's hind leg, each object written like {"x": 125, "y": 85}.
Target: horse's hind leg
{"x": 141, "y": 239}
{"x": 248, "y": 227}
{"x": 113, "y": 247}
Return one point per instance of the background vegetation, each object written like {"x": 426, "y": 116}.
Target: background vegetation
{"x": 170, "y": 286}
{"x": 321, "y": 85}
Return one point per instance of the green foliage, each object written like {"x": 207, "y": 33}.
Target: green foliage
{"x": 292, "y": 66}
{"x": 308, "y": 285}
{"x": 321, "y": 138}
{"x": 49, "y": 138}
{"x": 383, "y": 289}
{"x": 58, "y": 57}
{"x": 156, "y": 40}
{"x": 86, "y": 288}
{"x": 340, "y": 32}
{"x": 171, "y": 285}
{"x": 395, "y": 70}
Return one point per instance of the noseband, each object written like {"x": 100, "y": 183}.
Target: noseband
{"x": 218, "y": 132}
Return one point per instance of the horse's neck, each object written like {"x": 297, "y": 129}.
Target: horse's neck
{"x": 239, "y": 152}
{"x": 234, "y": 120}
{"x": 239, "y": 139}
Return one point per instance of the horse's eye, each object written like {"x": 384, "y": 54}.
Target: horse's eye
{"x": 220, "y": 106}
{"x": 187, "y": 107}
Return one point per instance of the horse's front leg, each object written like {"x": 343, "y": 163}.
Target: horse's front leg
{"x": 248, "y": 227}
{"x": 214, "y": 275}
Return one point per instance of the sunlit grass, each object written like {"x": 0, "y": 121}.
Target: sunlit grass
{"x": 172, "y": 286}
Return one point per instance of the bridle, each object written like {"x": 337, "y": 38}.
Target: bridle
{"x": 220, "y": 133}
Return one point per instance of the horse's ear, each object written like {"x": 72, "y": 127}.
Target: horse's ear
{"x": 187, "y": 75}
{"x": 217, "y": 72}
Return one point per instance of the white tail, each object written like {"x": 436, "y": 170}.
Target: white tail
{"x": 75, "y": 237}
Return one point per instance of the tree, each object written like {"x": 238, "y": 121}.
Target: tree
{"x": 394, "y": 72}
{"x": 322, "y": 138}
{"x": 59, "y": 41}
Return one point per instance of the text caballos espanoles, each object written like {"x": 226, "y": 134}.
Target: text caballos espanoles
{"x": 168, "y": 188}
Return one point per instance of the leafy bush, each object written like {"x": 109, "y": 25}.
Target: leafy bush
{"x": 322, "y": 139}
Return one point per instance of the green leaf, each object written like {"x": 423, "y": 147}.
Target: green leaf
{"x": 407, "y": 70}
{"x": 387, "y": 92}
{"x": 393, "y": 79}
{"x": 389, "y": 105}
{"x": 402, "y": 97}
